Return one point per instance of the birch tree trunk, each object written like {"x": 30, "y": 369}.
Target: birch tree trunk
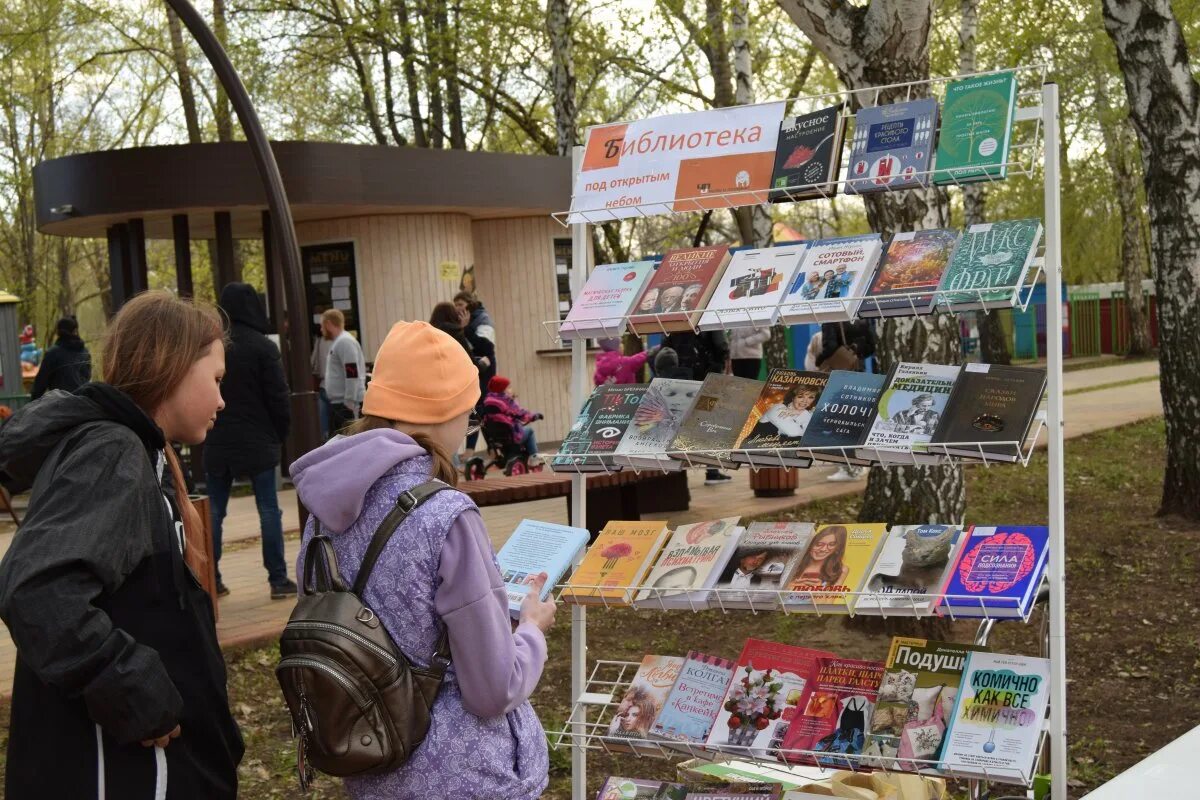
{"x": 562, "y": 73}
{"x": 223, "y": 111}
{"x": 187, "y": 94}
{"x": 1164, "y": 104}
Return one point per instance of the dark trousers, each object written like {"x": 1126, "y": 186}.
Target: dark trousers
{"x": 270, "y": 520}
{"x": 747, "y": 367}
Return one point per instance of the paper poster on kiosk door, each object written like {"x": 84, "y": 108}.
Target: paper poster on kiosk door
{"x": 679, "y": 162}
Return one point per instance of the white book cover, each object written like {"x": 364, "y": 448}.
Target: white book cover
{"x": 910, "y": 569}
{"x": 605, "y": 300}
{"x": 832, "y": 269}
{"x": 908, "y": 413}
{"x": 655, "y": 423}
{"x": 536, "y": 547}
{"x": 689, "y": 565}
{"x": 998, "y": 719}
{"x": 747, "y": 295}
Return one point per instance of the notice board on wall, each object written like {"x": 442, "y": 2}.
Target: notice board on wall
{"x": 331, "y": 281}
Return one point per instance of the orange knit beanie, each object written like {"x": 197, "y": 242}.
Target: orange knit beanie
{"x": 422, "y": 376}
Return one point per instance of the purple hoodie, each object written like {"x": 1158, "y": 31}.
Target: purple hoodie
{"x": 484, "y": 740}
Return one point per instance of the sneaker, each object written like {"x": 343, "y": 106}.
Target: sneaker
{"x": 222, "y": 589}
{"x": 843, "y": 475}
{"x": 283, "y": 590}
{"x": 716, "y": 479}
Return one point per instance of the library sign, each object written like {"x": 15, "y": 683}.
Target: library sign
{"x": 679, "y": 162}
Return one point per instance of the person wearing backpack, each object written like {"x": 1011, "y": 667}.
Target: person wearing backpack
{"x": 436, "y": 573}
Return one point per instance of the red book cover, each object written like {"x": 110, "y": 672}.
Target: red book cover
{"x": 835, "y": 712}
{"x": 679, "y": 289}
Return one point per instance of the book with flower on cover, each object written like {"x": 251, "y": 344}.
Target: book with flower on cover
{"x": 601, "y": 306}
{"x": 835, "y": 712}
{"x": 617, "y": 560}
{"x": 641, "y": 704}
{"x": 695, "y": 700}
{"x": 689, "y": 565}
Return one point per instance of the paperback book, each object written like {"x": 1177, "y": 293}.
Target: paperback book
{"x": 892, "y": 146}
{"x": 997, "y": 572}
{"x": 778, "y": 419}
{"x": 682, "y": 284}
{"x": 909, "y": 274}
{"x": 617, "y": 788}
{"x": 990, "y": 412}
{"x": 843, "y": 416}
{"x": 834, "y": 712}
{"x": 606, "y": 298}
{"x": 977, "y": 119}
{"x": 910, "y": 570}
{"x": 762, "y": 564}
{"x": 712, "y": 426}
{"x": 748, "y": 293}
{"x": 689, "y": 565}
{"x": 654, "y": 425}
{"x": 808, "y": 155}
{"x": 619, "y": 558}
{"x": 835, "y": 562}
{"x": 831, "y": 280}
{"x": 536, "y": 547}
{"x": 695, "y": 700}
{"x": 908, "y": 413}
{"x": 641, "y": 703}
{"x": 736, "y": 791}
{"x": 990, "y": 265}
{"x": 593, "y": 439}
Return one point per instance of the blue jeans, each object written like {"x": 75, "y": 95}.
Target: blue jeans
{"x": 528, "y": 442}
{"x": 270, "y": 520}
{"x": 323, "y": 413}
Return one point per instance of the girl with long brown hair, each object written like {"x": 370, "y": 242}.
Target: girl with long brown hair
{"x": 822, "y": 565}
{"x": 119, "y": 688}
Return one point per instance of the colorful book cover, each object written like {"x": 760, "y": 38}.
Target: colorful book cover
{"x": 763, "y": 698}
{"x": 977, "y": 119}
{"x": 808, "y": 155}
{"x": 715, "y": 420}
{"x": 695, "y": 700}
{"x": 990, "y": 264}
{"x": 747, "y": 294}
{"x": 843, "y": 416}
{"x": 892, "y": 146}
{"x": 618, "y": 559}
{"x": 592, "y": 440}
{"x": 536, "y": 547}
{"x": 689, "y": 565}
{"x": 993, "y": 405}
{"x": 916, "y": 703}
{"x": 909, "y": 274}
{"x": 605, "y": 300}
{"x": 618, "y": 788}
{"x": 741, "y": 770}
{"x": 832, "y": 269}
{"x": 778, "y": 419}
{"x": 910, "y": 570}
{"x": 736, "y": 791}
{"x": 642, "y": 702}
{"x": 836, "y": 560}
{"x": 682, "y": 283}
{"x": 998, "y": 718}
{"x": 655, "y": 423}
{"x": 998, "y": 571}
{"x": 908, "y": 413}
{"x": 762, "y": 563}
{"x": 834, "y": 713}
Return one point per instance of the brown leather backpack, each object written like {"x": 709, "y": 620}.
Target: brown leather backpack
{"x": 358, "y": 705}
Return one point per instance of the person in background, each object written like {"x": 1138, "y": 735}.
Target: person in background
{"x": 248, "y": 435}
{"x": 479, "y": 321}
{"x": 119, "y": 685}
{"x": 447, "y": 319}
{"x": 666, "y": 365}
{"x": 318, "y": 360}
{"x": 860, "y": 337}
{"x": 699, "y": 354}
{"x": 481, "y": 333}
{"x": 501, "y": 404}
{"x": 746, "y": 351}
{"x": 437, "y": 573}
{"x": 345, "y": 371}
{"x": 812, "y": 351}
{"x": 613, "y": 367}
{"x": 67, "y": 365}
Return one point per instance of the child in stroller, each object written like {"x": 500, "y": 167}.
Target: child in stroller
{"x": 511, "y": 443}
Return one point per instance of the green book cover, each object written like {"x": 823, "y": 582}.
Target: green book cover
{"x": 977, "y": 118}
{"x": 990, "y": 264}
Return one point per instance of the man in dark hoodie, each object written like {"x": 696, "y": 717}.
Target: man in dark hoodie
{"x": 246, "y": 440}
{"x": 67, "y": 365}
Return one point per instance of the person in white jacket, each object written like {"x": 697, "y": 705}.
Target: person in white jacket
{"x": 746, "y": 350}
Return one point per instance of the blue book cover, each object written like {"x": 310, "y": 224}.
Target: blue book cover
{"x": 537, "y": 547}
{"x": 843, "y": 415}
{"x": 695, "y": 700}
{"x": 997, "y": 572}
{"x": 892, "y": 146}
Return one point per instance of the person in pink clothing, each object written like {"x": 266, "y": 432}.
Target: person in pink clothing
{"x": 612, "y": 367}
{"x": 501, "y": 404}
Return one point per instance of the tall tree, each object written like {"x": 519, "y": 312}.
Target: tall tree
{"x": 562, "y": 73}
{"x": 1164, "y": 103}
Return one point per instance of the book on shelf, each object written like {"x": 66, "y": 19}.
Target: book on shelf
{"x": 909, "y": 274}
{"x": 678, "y": 289}
{"x": 689, "y": 565}
{"x": 619, "y": 788}
{"x": 990, "y": 265}
{"x": 605, "y": 300}
{"x": 993, "y": 405}
{"x": 590, "y": 444}
{"x": 736, "y": 791}
{"x": 654, "y": 424}
{"x": 618, "y": 559}
{"x": 763, "y": 561}
{"x": 998, "y": 572}
{"x": 732, "y": 768}
{"x": 998, "y": 719}
{"x": 715, "y": 420}
{"x": 908, "y": 413}
{"x": 772, "y": 433}
{"x": 977, "y": 120}
{"x": 763, "y": 697}
{"x": 916, "y": 703}
{"x": 892, "y": 147}
{"x": 912, "y": 566}
{"x": 641, "y": 703}
{"x": 843, "y": 416}
{"x": 808, "y": 156}
{"x": 835, "y": 562}
{"x": 834, "y": 714}
{"x": 536, "y": 547}
{"x": 692, "y": 705}
{"x": 832, "y": 269}
{"x": 748, "y": 292}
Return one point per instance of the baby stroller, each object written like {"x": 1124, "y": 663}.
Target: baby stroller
{"x": 502, "y": 452}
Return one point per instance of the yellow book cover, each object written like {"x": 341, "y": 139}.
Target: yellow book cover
{"x": 620, "y": 558}
{"x": 836, "y": 560}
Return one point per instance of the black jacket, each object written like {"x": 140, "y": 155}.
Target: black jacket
{"x": 858, "y": 334}
{"x": 67, "y": 366}
{"x": 699, "y": 353}
{"x": 247, "y": 436}
{"x": 115, "y": 638}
